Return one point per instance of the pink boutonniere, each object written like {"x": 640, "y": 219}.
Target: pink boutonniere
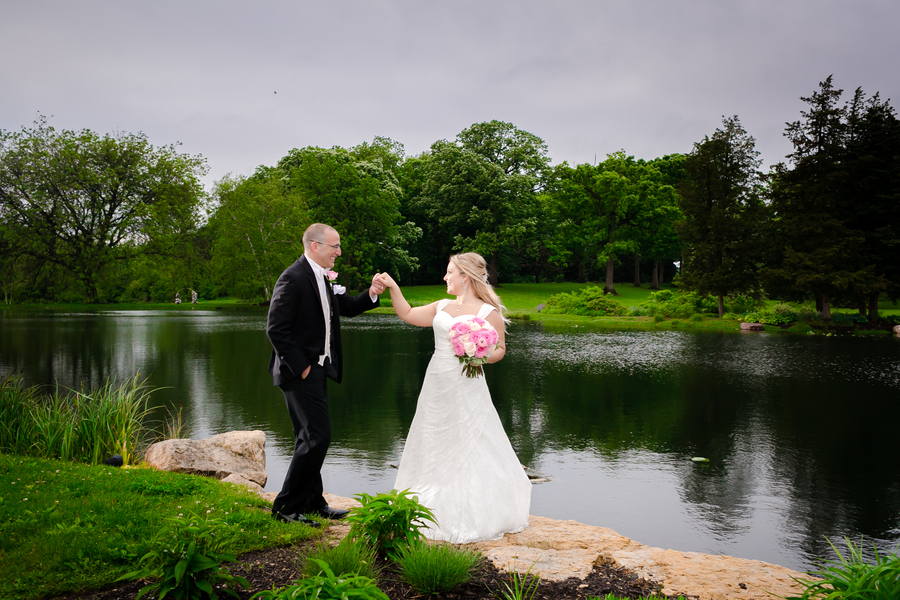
{"x": 332, "y": 276}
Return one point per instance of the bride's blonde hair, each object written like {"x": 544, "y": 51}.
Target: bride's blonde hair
{"x": 474, "y": 265}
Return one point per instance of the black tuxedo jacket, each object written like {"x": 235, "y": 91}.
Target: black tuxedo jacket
{"x": 296, "y": 325}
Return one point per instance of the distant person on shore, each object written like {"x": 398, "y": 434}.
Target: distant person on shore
{"x": 457, "y": 458}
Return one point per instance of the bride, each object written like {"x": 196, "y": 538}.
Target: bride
{"x": 457, "y": 458}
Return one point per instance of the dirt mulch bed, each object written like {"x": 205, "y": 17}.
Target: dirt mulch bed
{"x": 278, "y": 567}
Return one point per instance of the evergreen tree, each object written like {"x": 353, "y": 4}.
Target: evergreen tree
{"x": 818, "y": 240}
{"x": 720, "y": 199}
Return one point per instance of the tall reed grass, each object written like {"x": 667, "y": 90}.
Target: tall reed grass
{"x": 85, "y": 426}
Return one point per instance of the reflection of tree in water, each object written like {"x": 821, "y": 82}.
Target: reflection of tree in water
{"x": 838, "y": 459}
{"x": 786, "y": 423}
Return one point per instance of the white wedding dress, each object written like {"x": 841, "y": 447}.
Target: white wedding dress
{"x": 457, "y": 458}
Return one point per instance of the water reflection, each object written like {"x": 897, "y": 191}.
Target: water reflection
{"x": 800, "y": 431}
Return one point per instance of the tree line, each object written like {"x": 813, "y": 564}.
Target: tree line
{"x": 112, "y": 218}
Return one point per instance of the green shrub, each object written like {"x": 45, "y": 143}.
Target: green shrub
{"x": 589, "y": 301}
{"x": 696, "y": 318}
{"x": 783, "y": 308}
{"x": 187, "y": 560}
{"x": 86, "y": 426}
{"x": 661, "y": 296}
{"x": 807, "y": 313}
{"x": 769, "y": 318}
{"x": 848, "y": 318}
{"x": 349, "y": 557}
{"x": 742, "y": 304}
{"x": 389, "y": 522}
{"x": 524, "y": 586}
{"x": 682, "y": 306}
{"x": 658, "y": 319}
{"x": 730, "y": 316}
{"x": 326, "y": 585}
{"x": 854, "y": 578}
{"x": 436, "y": 568}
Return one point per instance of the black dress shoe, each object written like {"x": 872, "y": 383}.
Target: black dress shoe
{"x": 332, "y": 513}
{"x": 295, "y": 518}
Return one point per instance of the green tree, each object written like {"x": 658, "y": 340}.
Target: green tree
{"x": 604, "y": 212}
{"x": 665, "y": 243}
{"x": 720, "y": 200}
{"x": 357, "y": 192}
{"x": 80, "y": 201}
{"x": 814, "y": 248}
{"x": 872, "y": 187}
{"x": 259, "y": 225}
{"x": 478, "y": 194}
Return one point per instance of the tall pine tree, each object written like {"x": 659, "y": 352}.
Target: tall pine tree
{"x": 723, "y": 214}
{"x": 828, "y": 232}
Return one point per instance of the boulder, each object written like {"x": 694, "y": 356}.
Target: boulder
{"x": 897, "y": 330}
{"x": 752, "y": 327}
{"x": 238, "y": 479}
{"x": 236, "y": 452}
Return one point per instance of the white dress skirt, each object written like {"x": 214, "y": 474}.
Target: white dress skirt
{"x": 458, "y": 460}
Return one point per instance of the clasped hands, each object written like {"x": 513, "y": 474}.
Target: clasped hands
{"x": 380, "y": 282}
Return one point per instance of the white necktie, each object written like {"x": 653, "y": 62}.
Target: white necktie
{"x": 326, "y": 311}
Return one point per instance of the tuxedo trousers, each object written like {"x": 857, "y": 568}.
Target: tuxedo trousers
{"x": 307, "y": 405}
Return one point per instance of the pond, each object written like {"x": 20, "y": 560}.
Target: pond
{"x": 800, "y": 431}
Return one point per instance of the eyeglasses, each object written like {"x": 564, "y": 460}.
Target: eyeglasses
{"x": 335, "y": 246}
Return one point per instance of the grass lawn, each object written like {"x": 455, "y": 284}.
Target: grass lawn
{"x": 67, "y": 526}
{"x": 520, "y": 299}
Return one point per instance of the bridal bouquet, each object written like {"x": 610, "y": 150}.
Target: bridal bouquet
{"x": 472, "y": 341}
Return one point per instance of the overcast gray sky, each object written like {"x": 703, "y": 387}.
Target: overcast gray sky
{"x": 244, "y": 82}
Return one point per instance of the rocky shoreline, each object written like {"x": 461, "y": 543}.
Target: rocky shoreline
{"x": 555, "y": 550}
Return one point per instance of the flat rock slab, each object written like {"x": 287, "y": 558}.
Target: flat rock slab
{"x": 236, "y": 452}
{"x": 561, "y": 549}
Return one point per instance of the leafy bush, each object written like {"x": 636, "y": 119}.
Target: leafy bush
{"x": 769, "y": 318}
{"x": 589, "y": 301}
{"x": 349, "y": 557}
{"x": 639, "y": 311}
{"x": 742, "y": 304}
{"x": 848, "y": 318}
{"x": 696, "y": 318}
{"x": 436, "y": 568}
{"x": 730, "y": 316}
{"x": 389, "y": 522}
{"x": 666, "y": 303}
{"x": 326, "y": 585}
{"x": 658, "y": 318}
{"x": 187, "y": 560}
{"x": 854, "y": 578}
{"x": 806, "y": 313}
{"x": 783, "y": 308}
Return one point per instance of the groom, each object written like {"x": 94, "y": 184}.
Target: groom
{"x": 305, "y": 331}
